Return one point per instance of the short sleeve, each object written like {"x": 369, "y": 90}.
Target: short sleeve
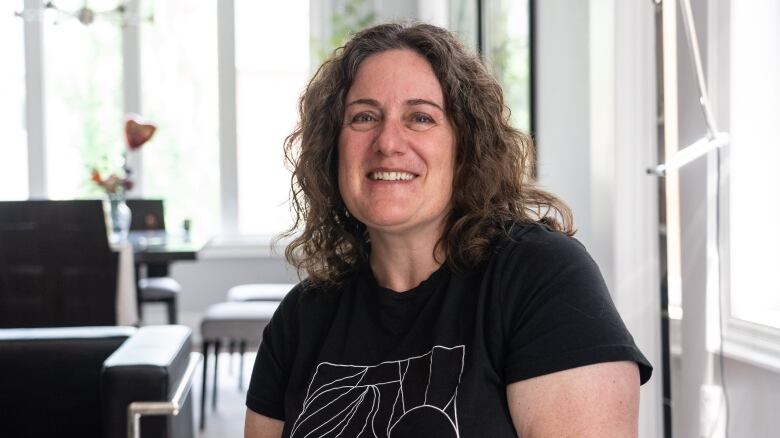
{"x": 558, "y": 313}
{"x": 271, "y": 370}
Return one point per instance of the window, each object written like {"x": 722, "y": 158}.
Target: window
{"x": 13, "y": 150}
{"x": 505, "y": 45}
{"x": 507, "y": 52}
{"x": 272, "y": 69}
{"x": 187, "y": 163}
{"x": 179, "y": 89}
{"x": 334, "y": 21}
{"x": 754, "y": 157}
{"x": 83, "y": 92}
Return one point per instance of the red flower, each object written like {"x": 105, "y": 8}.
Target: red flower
{"x": 113, "y": 183}
{"x": 96, "y": 177}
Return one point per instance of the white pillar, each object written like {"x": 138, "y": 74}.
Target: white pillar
{"x": 131, "y": 81}
{"x": 563, "y": 106}
{"x": 636, "y": 283}
{"x": 36, "y": 106}
{"x": 228, "y": 137}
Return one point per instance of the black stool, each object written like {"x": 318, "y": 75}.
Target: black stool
{"x": 160, "y": 290}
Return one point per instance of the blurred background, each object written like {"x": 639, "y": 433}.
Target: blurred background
{"x": 607, "y": 88}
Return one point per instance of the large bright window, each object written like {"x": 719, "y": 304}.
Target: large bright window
{"x": 272, "y": 69}
{"x": 179, "y": 88}
{"x": 13, "y": 149}
{"x": 184, "y": 51}
{"x": 83, "y": 92}
{"x": 754, "y": 157}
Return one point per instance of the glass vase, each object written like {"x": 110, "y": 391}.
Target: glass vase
{"x": 120, "y": 217}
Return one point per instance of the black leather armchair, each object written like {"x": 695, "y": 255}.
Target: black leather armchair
{"x": 80, "y": 381}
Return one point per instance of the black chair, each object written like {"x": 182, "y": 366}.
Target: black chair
{"x": 82, "y": 381}
{"x": 56, "y": 267}
{"x": 156, "y": 286}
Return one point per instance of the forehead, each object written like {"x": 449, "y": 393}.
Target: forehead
{"x": 398, "y": 73}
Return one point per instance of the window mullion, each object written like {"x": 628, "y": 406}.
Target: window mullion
{"x": 131, "y": 80}
{"x": 36, "y": 105}
{"x": 228, "y": 144}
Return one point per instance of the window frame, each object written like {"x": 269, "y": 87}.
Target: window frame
{"x": 743, "y": 340}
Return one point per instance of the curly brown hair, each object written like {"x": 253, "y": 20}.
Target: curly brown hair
{"x": 493, "y": 161}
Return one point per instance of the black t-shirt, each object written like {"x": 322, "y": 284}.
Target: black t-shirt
{"x": 365, "y": 361}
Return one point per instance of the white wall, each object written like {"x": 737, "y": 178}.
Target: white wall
{"x": 754, "y": 397}
{"x": 634, "y": 212}
{"x": 563, "y": 105}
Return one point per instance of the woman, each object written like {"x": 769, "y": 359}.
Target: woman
{"x": 445, "y": 296}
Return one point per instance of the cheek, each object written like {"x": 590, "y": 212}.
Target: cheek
{"x": 342, "y": 169}
{"x": 447, "y": 157}
{"x": 346, "y": 164}
{"x": 347, "y": 167}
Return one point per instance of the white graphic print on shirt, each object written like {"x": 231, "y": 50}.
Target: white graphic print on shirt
{"x": 405, "y": 398}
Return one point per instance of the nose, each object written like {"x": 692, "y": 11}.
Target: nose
{"x": 390, "y": 139}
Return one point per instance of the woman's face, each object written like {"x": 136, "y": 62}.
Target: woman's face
{"x": 397, "y": 146}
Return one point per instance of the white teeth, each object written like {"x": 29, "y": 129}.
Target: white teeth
{"x": 392, "y": 176}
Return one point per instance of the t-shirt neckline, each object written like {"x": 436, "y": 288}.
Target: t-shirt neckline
{"x": 423, "y": 288}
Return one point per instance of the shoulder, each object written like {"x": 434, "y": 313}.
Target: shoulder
{"x": 303, "y": 309}
{"x": 535, "y": 262}
{"x": 535, "y": 249}
{"x": 540, "y": 239}
{"x": 307, "y": 300}
{"x": 555, "y": 306}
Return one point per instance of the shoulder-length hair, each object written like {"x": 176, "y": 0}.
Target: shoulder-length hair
{"x": 493, "y": 183}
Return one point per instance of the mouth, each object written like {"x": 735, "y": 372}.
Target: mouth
{"x": 391, "y": 176}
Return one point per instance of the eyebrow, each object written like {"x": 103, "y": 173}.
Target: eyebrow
{"x": 413, "y": 102}
{"x": 410, "y": 102}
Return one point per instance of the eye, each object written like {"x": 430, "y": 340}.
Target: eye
{"x": 363, "y": 118}
{"x": 422, "y": 118}
{"x": 363, "y": 121}
{"x": 420, "y": 122}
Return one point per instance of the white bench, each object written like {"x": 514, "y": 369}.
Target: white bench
{"x": 239, "y": 322}
{"x": 259, "y": 292}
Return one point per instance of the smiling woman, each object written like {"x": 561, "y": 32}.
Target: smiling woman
{"x": 445, "y": 295}
{"x": 396, "y": 151}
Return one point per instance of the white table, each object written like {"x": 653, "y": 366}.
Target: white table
{"x": 126, "y": 301}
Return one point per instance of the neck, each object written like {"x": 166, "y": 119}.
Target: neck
{"x": 400, "y": 263}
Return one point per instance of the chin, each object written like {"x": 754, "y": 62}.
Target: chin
{"x": 386, "y": 222}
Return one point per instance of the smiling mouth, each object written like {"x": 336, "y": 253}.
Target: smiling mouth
{"x": 391, "y": 176}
